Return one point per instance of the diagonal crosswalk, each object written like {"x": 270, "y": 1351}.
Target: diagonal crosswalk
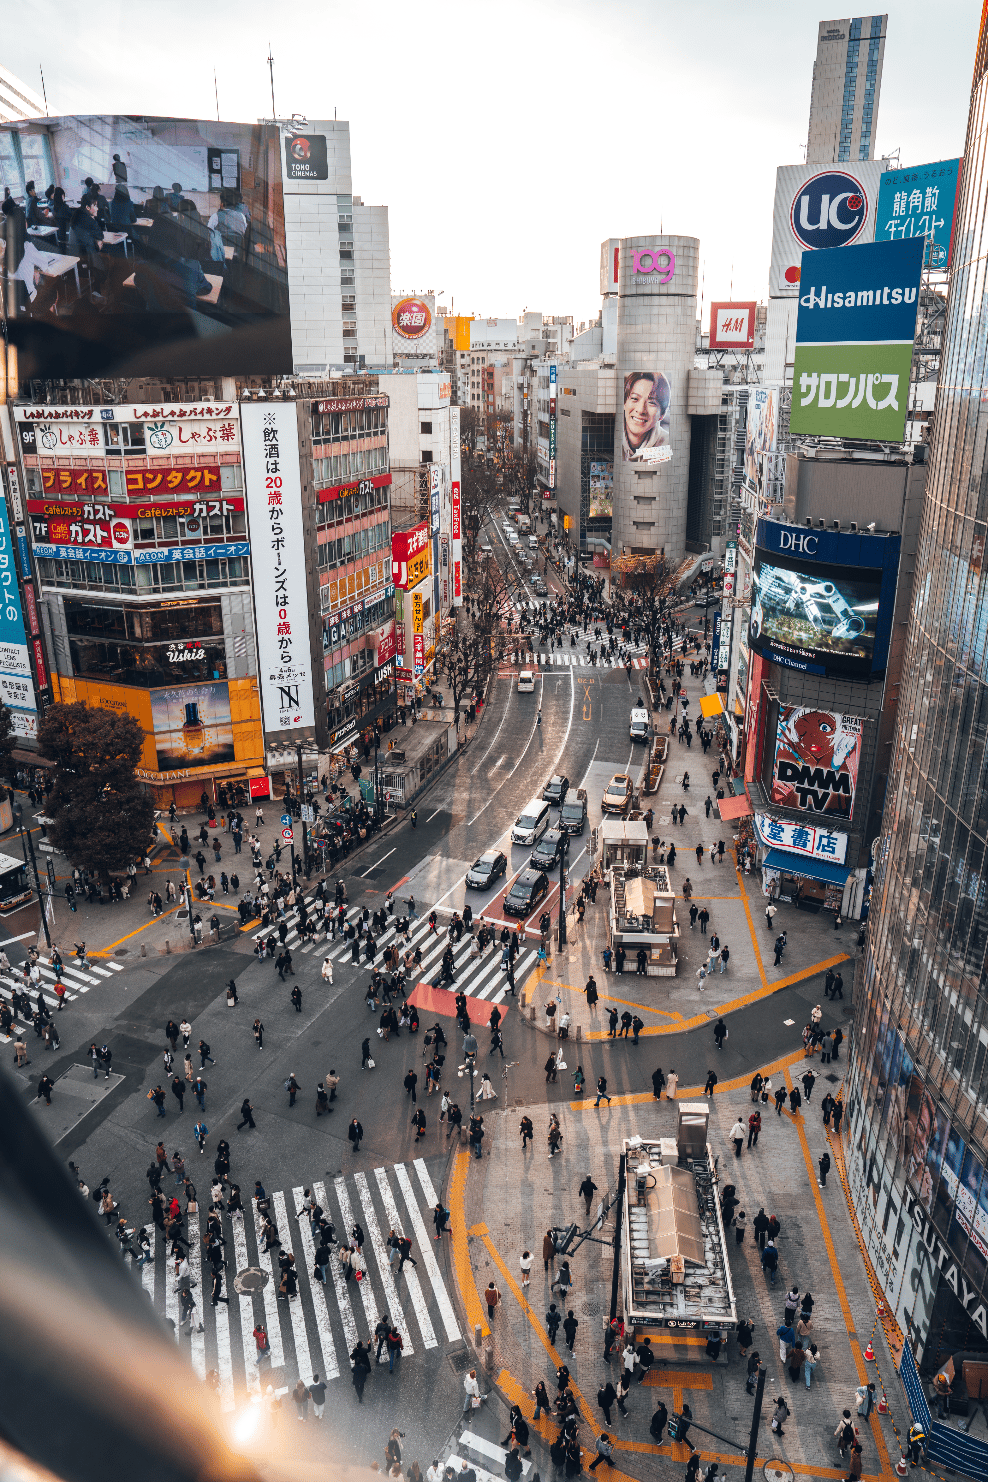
{"x": 316, "y": 1331}
{"x": 477, "y": 977}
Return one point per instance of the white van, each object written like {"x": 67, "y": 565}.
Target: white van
{"x": 533, "y": 542}
{"x": 638, "y": 727}
{"x": 532, "y": 823}
{"x": 526, "y": 682}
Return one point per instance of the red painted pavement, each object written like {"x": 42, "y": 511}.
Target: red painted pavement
{"x": 429, "y": 1000}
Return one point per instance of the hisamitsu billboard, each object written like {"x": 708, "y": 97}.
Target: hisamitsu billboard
{"x": 854, "y": 339}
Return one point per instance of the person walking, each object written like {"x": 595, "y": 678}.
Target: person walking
{"x": 605, "y": 1451}
{"x": 658, "y": 1081}
{"x": 780, "y": 1100}
{"x": 602, "y": 1091}
{"x": 492, "y": 1297}
{"x": 672, "y": 1082}
{"x": 736, "y": 1135}
{"x": 246, "y": 1115}
{"x": 770, "y": 1260}
{"x": 754, "y": 1127}
{"x": 658, "y": 1423}
{"x": 720, "y": 1034}
{"x": 570, "y": 1325}
{"x": 586, "y": 1191}
{"x": 824, "y": 1167}
{"x": 355, "y": 1132}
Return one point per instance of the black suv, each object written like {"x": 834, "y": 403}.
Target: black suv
{"x": 545, "y": 855}
{"x": 530, "y": 888}
{"x": 555, "y": 790}
{"x": 573, "y": 813}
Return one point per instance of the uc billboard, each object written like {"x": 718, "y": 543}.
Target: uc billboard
{"x": 854, "y": 340}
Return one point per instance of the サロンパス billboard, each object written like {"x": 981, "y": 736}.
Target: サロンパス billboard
{"x": 854, "y": 340}
{"x": 647, "y": 394}
{"x": 817, "y": 753}
{"x": 181, "y": 226}
{"x": 921, "y": 202}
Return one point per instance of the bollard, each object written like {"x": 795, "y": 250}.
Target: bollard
{"x": 531, "y": 1013}
{"x": 489, "y": 1358}
{"x": 144, "y": 949}
{"x": 168, "y": 946}
{"x": 478, "y": 1334}
{"x": 579, "y": 1033}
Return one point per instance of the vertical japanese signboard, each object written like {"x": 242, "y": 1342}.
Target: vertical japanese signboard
{"x": 274, "y": 506}
{"x": 16, "y": 687}
{"x": 455, "y": 480}
{"x": 921, "y": 202}
{"x": 552, "y": 427}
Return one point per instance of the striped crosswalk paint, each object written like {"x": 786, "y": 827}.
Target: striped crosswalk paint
{"x": 305, "y": 1333}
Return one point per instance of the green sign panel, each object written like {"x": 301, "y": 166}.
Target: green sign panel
{"x": 855, "y": 391}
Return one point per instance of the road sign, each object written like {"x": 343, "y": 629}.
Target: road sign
{"x": 286, "y": 819}
{"x": 287, "y": 833}
{"x": 308, "y": 813}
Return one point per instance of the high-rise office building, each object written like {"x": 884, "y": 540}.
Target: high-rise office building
{"x": 17, "y": 100}
{"x": 847, "y": 82}
{"x": 917, "y": 1092}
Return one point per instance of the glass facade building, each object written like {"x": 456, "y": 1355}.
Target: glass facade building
{"x": 916, "y": 1125}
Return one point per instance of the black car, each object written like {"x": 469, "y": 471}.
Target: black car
{"x": 531, "y": 887}
{"x": 488, "y": 868}
{"x": 573, "y": 813}
{"x": 545, "y": 855}
{"x": 555, "y": 790}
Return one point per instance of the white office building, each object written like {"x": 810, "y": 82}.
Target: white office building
{"x": 847, "y": 84}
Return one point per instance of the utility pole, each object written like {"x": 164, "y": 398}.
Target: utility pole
{"x": 305, "y": 831}
{"x": 27, "y": 844}
{"x": 618, "y": 1222}
{"x": 563, "y": 849}
{"x": 274, "y": 115}
{"x": 755, "y": 1418}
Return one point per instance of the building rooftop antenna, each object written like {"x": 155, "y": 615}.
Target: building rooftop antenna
{"x": 271, "y": 73}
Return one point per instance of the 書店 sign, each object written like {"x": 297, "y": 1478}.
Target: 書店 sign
{"x": 801, "y": 838}
{"x": 274, "y": 506}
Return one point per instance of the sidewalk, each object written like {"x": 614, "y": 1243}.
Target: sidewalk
{"x": 503, "y": 1205}
{"x": 736, "y": 906}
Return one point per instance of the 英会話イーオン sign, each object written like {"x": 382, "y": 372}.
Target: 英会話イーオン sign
{"x": 854, "y": 340}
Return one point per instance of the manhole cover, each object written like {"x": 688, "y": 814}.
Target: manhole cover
{"x": 125, "y": 952}
{"x": 461, "y": 1361}
{"x": 777, "y": 1471}
{"x": 253, "y": 1279}
{"x": 833, "y": 1079}
{"x": 182, "y": 915}
{"x": 591, "y": 1308}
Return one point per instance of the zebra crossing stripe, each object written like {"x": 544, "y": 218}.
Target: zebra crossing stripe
{"x": 411, "y": 1274}
{"x": 366, "y": 1295}
{"x": 195, "y": 1266}
{"x": 246, "y": 1309}
{"x": 272, "y": 1320}
{"x": 387, "y": 1281}
{"x": 342, "y": 1295}
{"x": 428, "y": 1256}
{"x": 330, "y": 1369}
{"x": 303, "y": 1358}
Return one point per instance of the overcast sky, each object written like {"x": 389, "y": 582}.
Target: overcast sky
{"x": 509, "y": 140}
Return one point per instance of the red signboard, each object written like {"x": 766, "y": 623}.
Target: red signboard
{"x": 260, "y": 787}
{"x": 109, "y": 509}
{"x": 752, "y": 719}
{"x": 407, "y": 543}
{"x": 350, "y": 403}
{"x": 39, "y": 663}
{"x": 456, "y": 508}
{"x": 732, "y": 326}
{"x": 385, "y": 644}
{"x": 376, "y": 481}
{"x": 31, "y": 605}
{"x": 456, "y": 579}
{"x": 93, "y": 481}
{"x": 418, "y": 642}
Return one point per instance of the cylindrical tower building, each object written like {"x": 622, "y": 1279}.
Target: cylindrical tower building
{"x": 656, "y": 344}
{"x": 916, "y": 1127}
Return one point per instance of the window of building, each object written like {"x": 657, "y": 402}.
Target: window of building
{"x": 425, "y": 428}
{"x": 427, "y": 455}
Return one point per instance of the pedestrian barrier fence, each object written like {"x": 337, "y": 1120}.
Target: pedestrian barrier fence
{"x": 946, "y": 1446}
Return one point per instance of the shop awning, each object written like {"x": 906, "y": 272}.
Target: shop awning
{"x": 711, "y": 705}
{"x": 810, "y": 869}
{"x": 734, "y": 807}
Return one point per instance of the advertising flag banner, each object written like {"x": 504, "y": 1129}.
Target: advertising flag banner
{"x": 854, "y": 339}
{"x": 274, "y": 504}
{"x": 817, "y": 753}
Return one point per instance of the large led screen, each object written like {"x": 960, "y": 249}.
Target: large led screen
{"x": 150, "y": 245}
{"x": 814, "y": 617}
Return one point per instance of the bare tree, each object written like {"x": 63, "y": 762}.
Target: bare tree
{"x": 651, "y": 579}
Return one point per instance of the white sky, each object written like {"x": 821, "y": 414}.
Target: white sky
{"x": 509, "y": 140}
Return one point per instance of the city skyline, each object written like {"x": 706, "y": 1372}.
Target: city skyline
{"x": 542, "y": 128}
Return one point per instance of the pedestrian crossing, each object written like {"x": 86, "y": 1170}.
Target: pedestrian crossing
{"x": 485, "y": 1457}
{"x": 77, "y": 981}
{"x": 476, "y": 976}
{"x": 573, "y": 659}
{"x": 316, "y": 1331}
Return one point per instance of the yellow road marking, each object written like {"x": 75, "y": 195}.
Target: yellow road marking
{"x": 136, "y": 932}
{"x": 739, "y": 1083}
{"x": 461, "y": 1249}
{"x": 800, "y": 1124}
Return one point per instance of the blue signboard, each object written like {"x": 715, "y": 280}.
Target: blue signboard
{"x": 23, "y": 552}
{"x": 144, "y": 558}
{"x": 920, "y": 203}
{"x": 715, "y": 641}
{"x": 16, "y": 684}
{"x": 864, "y": 295}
